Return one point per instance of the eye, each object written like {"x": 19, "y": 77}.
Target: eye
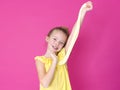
{"x": 62, "y": 43}
{"x": 54, "y": 39}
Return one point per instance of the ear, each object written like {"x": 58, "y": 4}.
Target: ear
{"x": 47, "y": 39}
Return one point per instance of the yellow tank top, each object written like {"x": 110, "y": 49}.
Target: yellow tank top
{"x": 61, "y": 78}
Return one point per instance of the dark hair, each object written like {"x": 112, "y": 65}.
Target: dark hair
{"x": 60, "y": 28}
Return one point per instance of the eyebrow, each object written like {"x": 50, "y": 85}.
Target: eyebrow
{"x": 60, "y": 41}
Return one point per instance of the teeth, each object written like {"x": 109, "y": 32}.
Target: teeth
{"x": 55, "y": 48}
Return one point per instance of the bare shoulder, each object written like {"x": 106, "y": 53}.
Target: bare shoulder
{"x": 40, "y": 65}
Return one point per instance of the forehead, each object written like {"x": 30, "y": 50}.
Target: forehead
{"x": 58, "y": 33}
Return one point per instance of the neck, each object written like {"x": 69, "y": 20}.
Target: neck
{"x": 48, "y": 53}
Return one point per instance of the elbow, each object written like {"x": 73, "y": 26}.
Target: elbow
{"x": 44, "y": 84}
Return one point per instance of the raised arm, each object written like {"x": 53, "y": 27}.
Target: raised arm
{"x": 76, "y": 29}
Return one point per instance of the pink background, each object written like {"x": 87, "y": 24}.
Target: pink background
{"x": 94, "y": 63}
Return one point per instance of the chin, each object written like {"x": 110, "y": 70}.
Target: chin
{"x": 56, "y": 51}
{"x": 59, "y": 50}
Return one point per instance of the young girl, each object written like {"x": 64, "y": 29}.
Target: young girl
{"x": 51, "y": 67}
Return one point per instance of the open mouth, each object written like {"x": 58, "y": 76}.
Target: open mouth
{"x": 55, "y": 48}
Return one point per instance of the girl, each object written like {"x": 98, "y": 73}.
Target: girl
{"x": 51, "y": 66}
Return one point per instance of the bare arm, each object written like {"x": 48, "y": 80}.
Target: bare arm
{"x": 76, "y": 29}
{"x": 46, "y": 78}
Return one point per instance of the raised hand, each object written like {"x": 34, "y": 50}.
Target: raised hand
{"x": 87, "y": 6}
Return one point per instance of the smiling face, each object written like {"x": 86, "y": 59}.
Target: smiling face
{"x": 56, "y": 41}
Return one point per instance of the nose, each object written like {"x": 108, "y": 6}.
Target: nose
{"x": 56, "y": 43}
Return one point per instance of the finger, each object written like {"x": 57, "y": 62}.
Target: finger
{"x": 52, "y": 55}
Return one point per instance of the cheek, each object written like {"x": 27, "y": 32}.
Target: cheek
{"x": 51, "y": 42}
{"x": 61, "y": 46}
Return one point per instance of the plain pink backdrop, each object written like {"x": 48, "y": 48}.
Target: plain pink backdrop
{"x": 94, "y": 63}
